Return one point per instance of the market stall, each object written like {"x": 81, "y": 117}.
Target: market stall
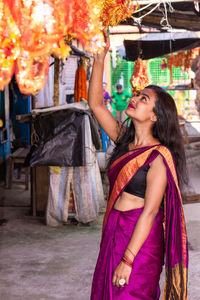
{"x": 171, "y": 60}
{"x": 63, "y": 160}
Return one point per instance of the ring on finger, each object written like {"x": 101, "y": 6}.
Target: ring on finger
{"x": 122, "y": 281}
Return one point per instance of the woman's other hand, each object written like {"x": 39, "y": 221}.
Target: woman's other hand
{"x": 122, "y": 272}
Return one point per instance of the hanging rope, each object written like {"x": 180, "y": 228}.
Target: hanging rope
{"x": 139, "y": 20}
{"x": 142, "y": 8}
{"x": 164, "y": 21}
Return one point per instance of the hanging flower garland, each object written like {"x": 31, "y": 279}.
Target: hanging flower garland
{"x": 170, "y": 63}
{"x": 115, "y": 11}
{"x": 80, "y": 89}
{"x": 32, "y": 30}
{"x": 9, "y": 45}
{"x": 29, "y": 32}
{"x": 139, "y": 79}
{"x": 86, "y": 25}
{"x": 181, "y": 60}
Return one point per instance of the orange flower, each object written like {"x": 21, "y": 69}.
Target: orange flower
{"x": 80, "y": 89}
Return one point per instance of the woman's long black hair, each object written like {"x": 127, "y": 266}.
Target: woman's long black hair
{"x": 166, "y": 129}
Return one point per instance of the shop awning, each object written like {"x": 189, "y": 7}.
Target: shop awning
{"x": 158, "y": 44}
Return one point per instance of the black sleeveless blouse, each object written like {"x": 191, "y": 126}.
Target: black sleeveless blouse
{"x": 137, "y": 185}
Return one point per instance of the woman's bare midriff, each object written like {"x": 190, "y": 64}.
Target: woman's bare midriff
{"x": 128, "y": 202}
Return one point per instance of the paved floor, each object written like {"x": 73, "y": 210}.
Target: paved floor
{"x": 43, "y": 263}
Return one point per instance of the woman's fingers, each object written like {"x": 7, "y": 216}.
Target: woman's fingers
{"x": 106, "y": 38}
{"x": 101, "y": 55}
{"x": 122, "y": 272}
{"x": 114, "y": 279}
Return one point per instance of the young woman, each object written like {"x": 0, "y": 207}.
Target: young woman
{"x": 145, "y": 171}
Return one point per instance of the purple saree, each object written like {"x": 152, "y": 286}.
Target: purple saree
{"x": 119, "y": 226}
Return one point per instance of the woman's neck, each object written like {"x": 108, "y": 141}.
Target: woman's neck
{"x": 143, "y": 137}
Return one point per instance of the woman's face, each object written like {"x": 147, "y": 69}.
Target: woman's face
{"x": 141, "y": 106}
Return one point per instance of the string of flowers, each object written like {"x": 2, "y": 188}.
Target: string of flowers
{"x": 181, "y": 59}
{"x": 139, "y": 79}
{"x": 32, "y": 30}
{"x": 112, "y": 12}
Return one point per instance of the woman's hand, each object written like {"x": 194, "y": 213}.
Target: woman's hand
{"x": 122, "y": 271}
{"x": 101, "y": 56}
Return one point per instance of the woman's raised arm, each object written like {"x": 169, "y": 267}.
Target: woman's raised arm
{"x": 95, "y": 97}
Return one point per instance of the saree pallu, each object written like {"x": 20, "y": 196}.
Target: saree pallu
{"x": 175, "y": 238}
{"x": 148, "y": 261}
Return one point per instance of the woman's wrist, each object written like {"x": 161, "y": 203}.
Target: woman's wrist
{"x": 126, "y": 261}
{"x": 99, "y": 60}
{"x": 128, "y": 252}
{"x": 128, "y": 257}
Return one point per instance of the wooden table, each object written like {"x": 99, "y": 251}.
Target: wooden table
{"x": 18, "y": 157}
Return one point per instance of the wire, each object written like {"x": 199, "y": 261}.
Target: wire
{"x": 164, "y": 21}
{"x": 139, "y": 20}
{"x": 142, "y": 8}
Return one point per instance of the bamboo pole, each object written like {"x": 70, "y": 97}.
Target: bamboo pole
{"x": 56, "y": 95}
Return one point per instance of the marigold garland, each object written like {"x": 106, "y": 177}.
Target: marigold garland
{"x": 32, "y": 30}
{"x": 80, "y": 89}
{"x": 139, "y": 79}
{"x": 114, "y": 11}
{"x": 181, "y": 59}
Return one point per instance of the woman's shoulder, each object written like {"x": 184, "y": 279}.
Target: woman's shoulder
{"x": 165, "y": 153}
{"x": 163, "y": 149}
